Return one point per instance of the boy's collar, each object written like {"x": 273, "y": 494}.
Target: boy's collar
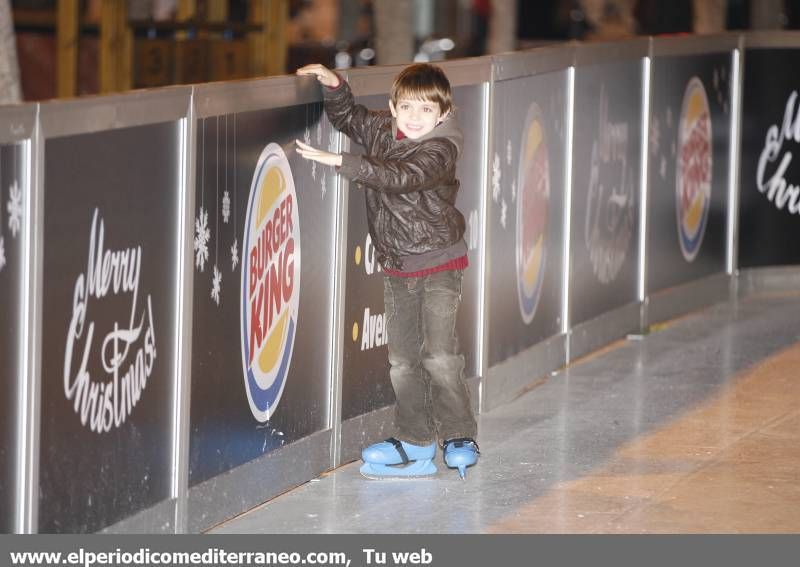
{"x": 396, "y": 131}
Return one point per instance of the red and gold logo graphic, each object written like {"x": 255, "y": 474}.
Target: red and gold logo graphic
{"x": 533, "y": 180}
{"x": 270, "y": 281}
{"x": 694, "y": 169}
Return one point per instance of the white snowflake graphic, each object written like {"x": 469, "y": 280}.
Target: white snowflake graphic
{"x": 655, "y": 135}
{"x": 332, "y": 140}
{"x": 226, "y": 207}
{"x": 324, "y": 184}
{"x": 319, "y": 133}
{"x": 14, "y": 208}
{"x": 508, "y": 152}
{"x": 234, "y": 254}
{"x": 496, "y": 178}
{"x": 201, "y": 236}
{"x": 307, "y": 141}
{"x": 2, "y": 254}
{"x": 216, "y": 284}
{"x": 503, "y": 210}
{"x": 514, "y": 190}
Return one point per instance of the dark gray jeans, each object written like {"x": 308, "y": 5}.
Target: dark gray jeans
{"x": 426, "y": 364}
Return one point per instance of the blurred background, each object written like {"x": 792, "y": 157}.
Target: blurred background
{"x": 67, "y": 48}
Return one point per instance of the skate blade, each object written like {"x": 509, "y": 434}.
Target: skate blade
{"x": 461, "y": 464}
{"x": 417, "y": 470}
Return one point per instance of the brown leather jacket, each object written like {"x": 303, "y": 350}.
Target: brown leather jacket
{"x": 410, "y": 185}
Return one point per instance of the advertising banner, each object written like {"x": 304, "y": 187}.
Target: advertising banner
{"x": 525, "y": 223}
{"x": 263, "y": 286}
{"x": 108, "y": 331}
{"x": 13, "y": 185}
{"x": 366, "y": 385}
{"x": 605, "y": 188}
{"x": 365, "y": 357}
{"x": 769, "y": 182}
{"x": 689, "y": 140}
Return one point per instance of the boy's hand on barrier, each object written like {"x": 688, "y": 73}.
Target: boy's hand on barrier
{"x": 324, "y": 75}
{"x": 321, "y": 156}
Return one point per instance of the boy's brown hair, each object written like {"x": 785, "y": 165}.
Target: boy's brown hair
{"x": 423, "y": 81}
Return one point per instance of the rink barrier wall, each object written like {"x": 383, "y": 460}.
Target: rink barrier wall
{"x": 112, "y": 179}
{"x": 550, "y": 71}
{"x": 603, "y": 270}
{"x": 667, "y": 297}
{"x": 155, "y": 458}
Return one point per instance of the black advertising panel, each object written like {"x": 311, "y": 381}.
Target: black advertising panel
{"x": 108, "y": 340}
{"x": 365, "y": 358}
{"x": 769, "y": 182}
{"x": 688, "y": 146}
{"x": 12, "y": 216}
{"x": 263, "y": 286}
{"x": 525, "y": 223}
{"x": 366, "y": 385}
{"x": 605, "y": 188}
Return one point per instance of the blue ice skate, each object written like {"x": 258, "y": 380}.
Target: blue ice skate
{"x": 397, "y": 459}
{"x": 461, "y": 453}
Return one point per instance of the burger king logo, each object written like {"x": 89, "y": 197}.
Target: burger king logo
{"x": 270, "y": 281}
{"x": 533, "y": 180}
{"x": 693, "y": 176}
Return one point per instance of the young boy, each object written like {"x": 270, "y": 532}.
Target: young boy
{"x": 408, "y": 176}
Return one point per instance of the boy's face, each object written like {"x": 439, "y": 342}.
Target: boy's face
{"x": 416, "y": 117}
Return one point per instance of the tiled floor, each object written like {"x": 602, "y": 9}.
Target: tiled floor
{"x": 695, "y": 428}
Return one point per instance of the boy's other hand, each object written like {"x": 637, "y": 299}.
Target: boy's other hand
{"x": 321, "y": 156}
{"x": 322, "y": 73}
